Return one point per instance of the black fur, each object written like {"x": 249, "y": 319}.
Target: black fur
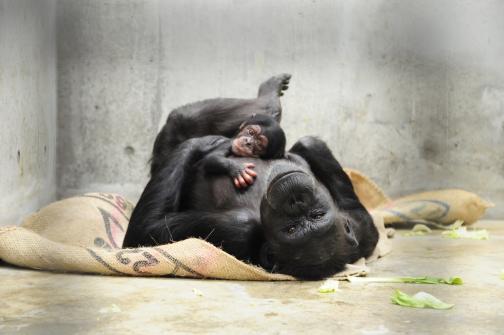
{"x": 300, "y": 217}
{"x": 221, "y": 116}
{"x": 218, "y": 161}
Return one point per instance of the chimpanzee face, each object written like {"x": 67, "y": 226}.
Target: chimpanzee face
{"x": 306, "y": 233}
{"x": 250, "y": 142}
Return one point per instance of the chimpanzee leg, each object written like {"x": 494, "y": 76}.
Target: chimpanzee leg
{"x": 208, "y": 117}
{"x": 270, "y": 92}
{"x": 219, "y": 116}
{"x": 275, "y": 85}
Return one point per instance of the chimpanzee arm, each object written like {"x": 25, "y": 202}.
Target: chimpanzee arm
{"x": 164, "y": 190}
{"x": 330, "y": 173}
{"x": 236, "y": 231}
{"x": 218, "y": 162}
{"x": 327, "y": 170}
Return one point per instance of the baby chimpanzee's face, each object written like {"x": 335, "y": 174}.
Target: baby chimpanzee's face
{"x": 250, "y": 142}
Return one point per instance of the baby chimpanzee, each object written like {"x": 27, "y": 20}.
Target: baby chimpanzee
{"x": 258, "y": 137}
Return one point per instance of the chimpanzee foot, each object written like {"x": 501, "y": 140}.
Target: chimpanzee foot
{"x": 275, "y": 85}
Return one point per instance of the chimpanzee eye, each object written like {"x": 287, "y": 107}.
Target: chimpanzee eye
{"x": 251, "y": 132}
{"x": 348, "y": 230}
{"x": 316, "y": 215}
{"x": 290, "y": 230}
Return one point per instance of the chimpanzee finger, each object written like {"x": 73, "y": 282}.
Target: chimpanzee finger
{"x": 242, "y": 181}
{"x": 236, "y": 183}
{"x": 247, "y": 178}
{"x": 251, "y": 172}
{"x": 249, "y": 165}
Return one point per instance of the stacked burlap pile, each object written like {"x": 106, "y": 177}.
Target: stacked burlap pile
{"x": 441, "y": 207}
{"x": 84, "y": 234}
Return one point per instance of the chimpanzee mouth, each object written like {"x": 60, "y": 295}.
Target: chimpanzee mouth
{"x": 281, "y": 176}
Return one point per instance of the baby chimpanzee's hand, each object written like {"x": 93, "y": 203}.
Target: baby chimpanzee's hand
{"x": 245, "y": 176}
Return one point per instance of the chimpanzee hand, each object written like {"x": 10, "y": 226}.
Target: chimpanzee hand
{"x": 245, "y": 176}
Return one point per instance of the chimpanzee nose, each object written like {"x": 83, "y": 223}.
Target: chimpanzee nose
{"x": 295, "y": 200}
{"x": 298, "y": 202}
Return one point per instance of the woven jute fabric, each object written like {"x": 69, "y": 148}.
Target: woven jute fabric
{"x": 440, "y": 206}
{"x": 85, "y": 233}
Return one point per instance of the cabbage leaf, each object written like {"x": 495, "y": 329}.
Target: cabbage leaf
{"x": 408, "y": 280}
{"x": 419, "y": 300}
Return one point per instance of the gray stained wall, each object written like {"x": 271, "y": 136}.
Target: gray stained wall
{"x": 411, "y": 93}
{"x": 27, "y": 107}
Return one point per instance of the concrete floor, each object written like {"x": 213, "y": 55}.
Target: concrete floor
{"x": 34, "y": 302}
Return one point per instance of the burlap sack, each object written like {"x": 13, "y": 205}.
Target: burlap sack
{"x": 367, "y": 191}
{"x": 84, "y": 234}
{"x": 442, "y": 206}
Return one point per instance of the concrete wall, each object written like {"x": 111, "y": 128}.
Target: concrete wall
{"x": 409, "y": 92}
{"x": 27, "y": 107}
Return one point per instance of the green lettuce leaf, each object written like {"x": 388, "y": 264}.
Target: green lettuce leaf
{"x": 197, "y": 292}
{"x": 455, "y": 225}
{"x": 329, "y": 286}
{"x": 419, "y": 300}
{"x": 462, "y": 232}
{"x": 419, "y": 230}
{"x": 408, "y": 280}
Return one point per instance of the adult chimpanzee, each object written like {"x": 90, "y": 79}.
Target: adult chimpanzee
{"x": 300, "y": 217}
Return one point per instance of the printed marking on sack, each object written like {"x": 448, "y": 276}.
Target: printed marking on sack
{"x": 432, "y": 210}
{"x": 178, "y": 263}
{"x": 137, "y": 266}
{"x": 102, "y": 262}
{"x": 117, "y": 204}
{"x": 112, "y": 227}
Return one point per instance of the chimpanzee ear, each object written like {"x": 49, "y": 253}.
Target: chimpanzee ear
{"x": 350, "y": 234}
{"x": 266, "y": 257}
